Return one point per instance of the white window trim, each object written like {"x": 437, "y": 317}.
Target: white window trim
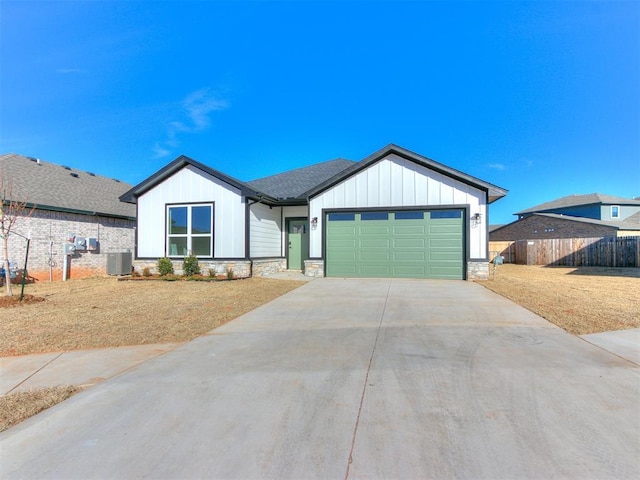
{"x": 188, "y": 234}
{"x": 617, "y": 207}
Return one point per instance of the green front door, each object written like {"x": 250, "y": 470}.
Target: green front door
{"x": 297, "y": 234}
{"x": 410, "y": 244}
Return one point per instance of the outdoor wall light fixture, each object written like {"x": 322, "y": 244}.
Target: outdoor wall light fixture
{"x": 314, "y": 221}
{"x": 477, "y": 217}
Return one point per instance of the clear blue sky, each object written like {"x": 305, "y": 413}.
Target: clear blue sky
{"x": 540, "y": 98}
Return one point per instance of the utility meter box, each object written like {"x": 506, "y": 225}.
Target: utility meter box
{"x": 92, "y": 244}
{"x": 69, "y": 248}
{"x": 80, "y": 243}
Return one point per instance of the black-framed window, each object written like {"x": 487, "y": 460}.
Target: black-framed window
{"x": 190, "y": 230}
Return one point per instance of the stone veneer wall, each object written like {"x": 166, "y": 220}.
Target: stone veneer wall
{"x": 49, "y": 232}
{"x": 241, "y": 268}
{"x": 314, "y": 268}
{"x": 478, "y": 270}
{"x": 267, "y": 266}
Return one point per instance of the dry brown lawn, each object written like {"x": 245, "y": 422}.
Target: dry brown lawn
{"x": 19, "y": 406}
{"x": 105, "y": 312}
{"x": 581, "y": 300}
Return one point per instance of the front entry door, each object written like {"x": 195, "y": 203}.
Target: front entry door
{"x": 298, "y": 238}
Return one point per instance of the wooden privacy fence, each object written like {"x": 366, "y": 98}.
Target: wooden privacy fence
{"x": 578, "y": 252}
{"x": 506, "y": 249}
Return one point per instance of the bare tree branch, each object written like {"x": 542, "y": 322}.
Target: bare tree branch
{"x": 11, "y": 211}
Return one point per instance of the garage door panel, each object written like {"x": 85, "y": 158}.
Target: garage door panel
{"x": 342, "y": 271}
{"x": 409, "y": 256}
{"x": 410, "y": 271}
{"x": 446, "y": 272}
{"x": 416, "y": 243}
{"x": 439, "y": 256}
{"x": 344, "y": 243}
{"x": 374, "y": 242}
{"x": 383, "y": 230}
{"x": 345, "y": 256}
{"x": 445, "y": 243}
{"x": 375, "y": 270}
{"x": 439, "y": 229}
{"x": 409, "y": 230}
{"x": 424, "y": 244}
{"x": 374, "y": 256}
{"x": 343, "y": 228}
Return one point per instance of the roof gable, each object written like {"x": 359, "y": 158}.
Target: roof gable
{"x": 55, "y": 187}
{"x": 178, "y": 164}
{"x": 493, "y": 192}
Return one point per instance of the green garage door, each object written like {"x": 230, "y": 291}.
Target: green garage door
{"x": 410, "y": 244}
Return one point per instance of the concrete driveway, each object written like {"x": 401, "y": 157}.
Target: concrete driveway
{"x": 354, "y": 379}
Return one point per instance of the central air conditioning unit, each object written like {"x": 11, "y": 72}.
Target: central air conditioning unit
{"x": 119, "y": 263}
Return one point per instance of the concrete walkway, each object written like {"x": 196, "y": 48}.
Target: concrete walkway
{"x": 624, "y": 343}
{"x": 79, "y": 367}
{"x": 353, "y": 379}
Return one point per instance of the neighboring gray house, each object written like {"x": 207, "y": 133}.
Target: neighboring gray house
{"x": 393, "y": 214}
{"x": 574, "y": 216}
{"x": 69, "y": 205}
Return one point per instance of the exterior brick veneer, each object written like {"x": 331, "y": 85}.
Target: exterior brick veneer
{"x": 50, "y": 231}
{"x": 541, "y": 227}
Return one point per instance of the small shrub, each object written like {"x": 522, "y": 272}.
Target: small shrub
{"x": 134, "y": 273}
{"x": 190, "y": 266}
{"x": 146, "y": 272}
{"x": 165, "y": 267}
{"x": 230, "y": 274}
{"x": 212, "y": 273}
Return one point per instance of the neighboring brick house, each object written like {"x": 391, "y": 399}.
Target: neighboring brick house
{"x": 67, "y": 203}
{"x": 575, "y": 216}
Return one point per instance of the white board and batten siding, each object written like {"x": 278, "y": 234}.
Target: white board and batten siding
{"x": 396, "y": 182}
{"x": 192, "y": 185}
{"x": 265, "y": 225}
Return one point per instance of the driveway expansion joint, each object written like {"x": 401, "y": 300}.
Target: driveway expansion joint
{"x": 366, "y": 381}
{"x": 35, "y": 372}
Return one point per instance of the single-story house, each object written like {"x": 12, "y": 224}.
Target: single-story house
{"x": 393, "y": 214}
{"x": 69, "y": 213}
{"x": 575, "y": 216}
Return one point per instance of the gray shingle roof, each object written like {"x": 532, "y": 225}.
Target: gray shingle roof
{"x": 55, "y": 187}
{"x": 578, "y": 200}
{"x": 294, "y": 183}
